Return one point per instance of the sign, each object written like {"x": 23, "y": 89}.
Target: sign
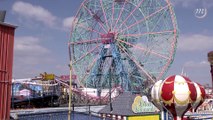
{"x": 141, "y": 104}
{"x": 147, "y": 117}
{"x": 67, "y": 77}
{"x": 200, "y": 13}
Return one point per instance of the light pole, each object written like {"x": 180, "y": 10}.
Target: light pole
{"x": 110, "y": 89}
{"x": 70, "y": 92}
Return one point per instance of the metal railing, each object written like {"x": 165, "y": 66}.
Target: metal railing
{"x": 58, "y": 115}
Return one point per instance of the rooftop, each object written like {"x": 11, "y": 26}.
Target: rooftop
{"x": 122, "y": 105}
{"x": 8, "y": 25}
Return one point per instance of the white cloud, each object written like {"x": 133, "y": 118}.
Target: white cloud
{"x": 67, "y": 22}
{"x": 30, "y": 57}
{"x": 185, "y": 3}
{"x": 193, "y": 64}
{"x": 196, "y": 42}
{"x": 208, "y": 3}
{"x": 198, "y": 71}
{"x": 34, "y": 12}
{"x": 29, "y": 51}
{"x": 193, "y": 3}
{"x": 28, "y": 45}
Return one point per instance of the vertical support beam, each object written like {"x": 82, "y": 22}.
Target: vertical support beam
{"x": 211, "y": 71}
{"x": 70, "y": 91}
{"x": 110, "y": 89}
{"x": 210, "y": 59}
{"x": 1, "y": 70}
{"x": 122, "y": 117}
{"x": 5, "y": 78}
{"x": 164, "y": 114}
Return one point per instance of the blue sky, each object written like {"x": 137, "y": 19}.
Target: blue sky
{"x": 44, "y": 29}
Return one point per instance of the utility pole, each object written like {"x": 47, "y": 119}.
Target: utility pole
{"x": 70, "y": 92}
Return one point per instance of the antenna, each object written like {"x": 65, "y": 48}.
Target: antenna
{"x": 183, "y": 72}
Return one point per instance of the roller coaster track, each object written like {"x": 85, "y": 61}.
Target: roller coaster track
{"x": 87, "y": 97}
{"x": 81, "y": 95}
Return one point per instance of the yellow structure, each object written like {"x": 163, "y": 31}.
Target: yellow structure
{"x": 146, "y": 117}
{"x": 46, "y": 76}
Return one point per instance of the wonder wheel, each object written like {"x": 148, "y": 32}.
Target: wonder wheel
{"x": 122, "y": 43}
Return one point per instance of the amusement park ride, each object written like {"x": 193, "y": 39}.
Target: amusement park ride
{"x": 120, "y": 45}
{"x": 123, "y": 44}
{"x": 35, "y": 92}
{"x": 115, "y": 46}
{"x": 129, "y": 45}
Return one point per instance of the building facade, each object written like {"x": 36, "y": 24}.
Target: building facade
{"x": 6, "y": 63}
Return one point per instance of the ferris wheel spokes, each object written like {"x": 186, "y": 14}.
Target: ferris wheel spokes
{"x": 147, "y": 33}
{"x": 120, "y": 13}
{"x": 88, "y": 70}
{"x": 137, "y": 63}
{"x": 84, "y": 55}
{"x": 145, "y": 18}
{"x": 136, "y": 39}
{"x": 113, "y": 10}
{"x": 96, "y": 18}
{"x": 104, "y": 13}
{"x": 92, "y": 41}
{"x": 90, "y": 29}
{"x": 144, "y": 49}
{"x": 131, "y": 13}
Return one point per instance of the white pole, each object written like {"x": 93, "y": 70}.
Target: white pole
{"x": 70, "y": 91}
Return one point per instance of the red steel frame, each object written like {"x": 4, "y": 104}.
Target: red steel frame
{"x": 6, "y": 63}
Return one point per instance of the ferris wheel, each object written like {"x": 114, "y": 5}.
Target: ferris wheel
{"x": 123, "y": 43}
